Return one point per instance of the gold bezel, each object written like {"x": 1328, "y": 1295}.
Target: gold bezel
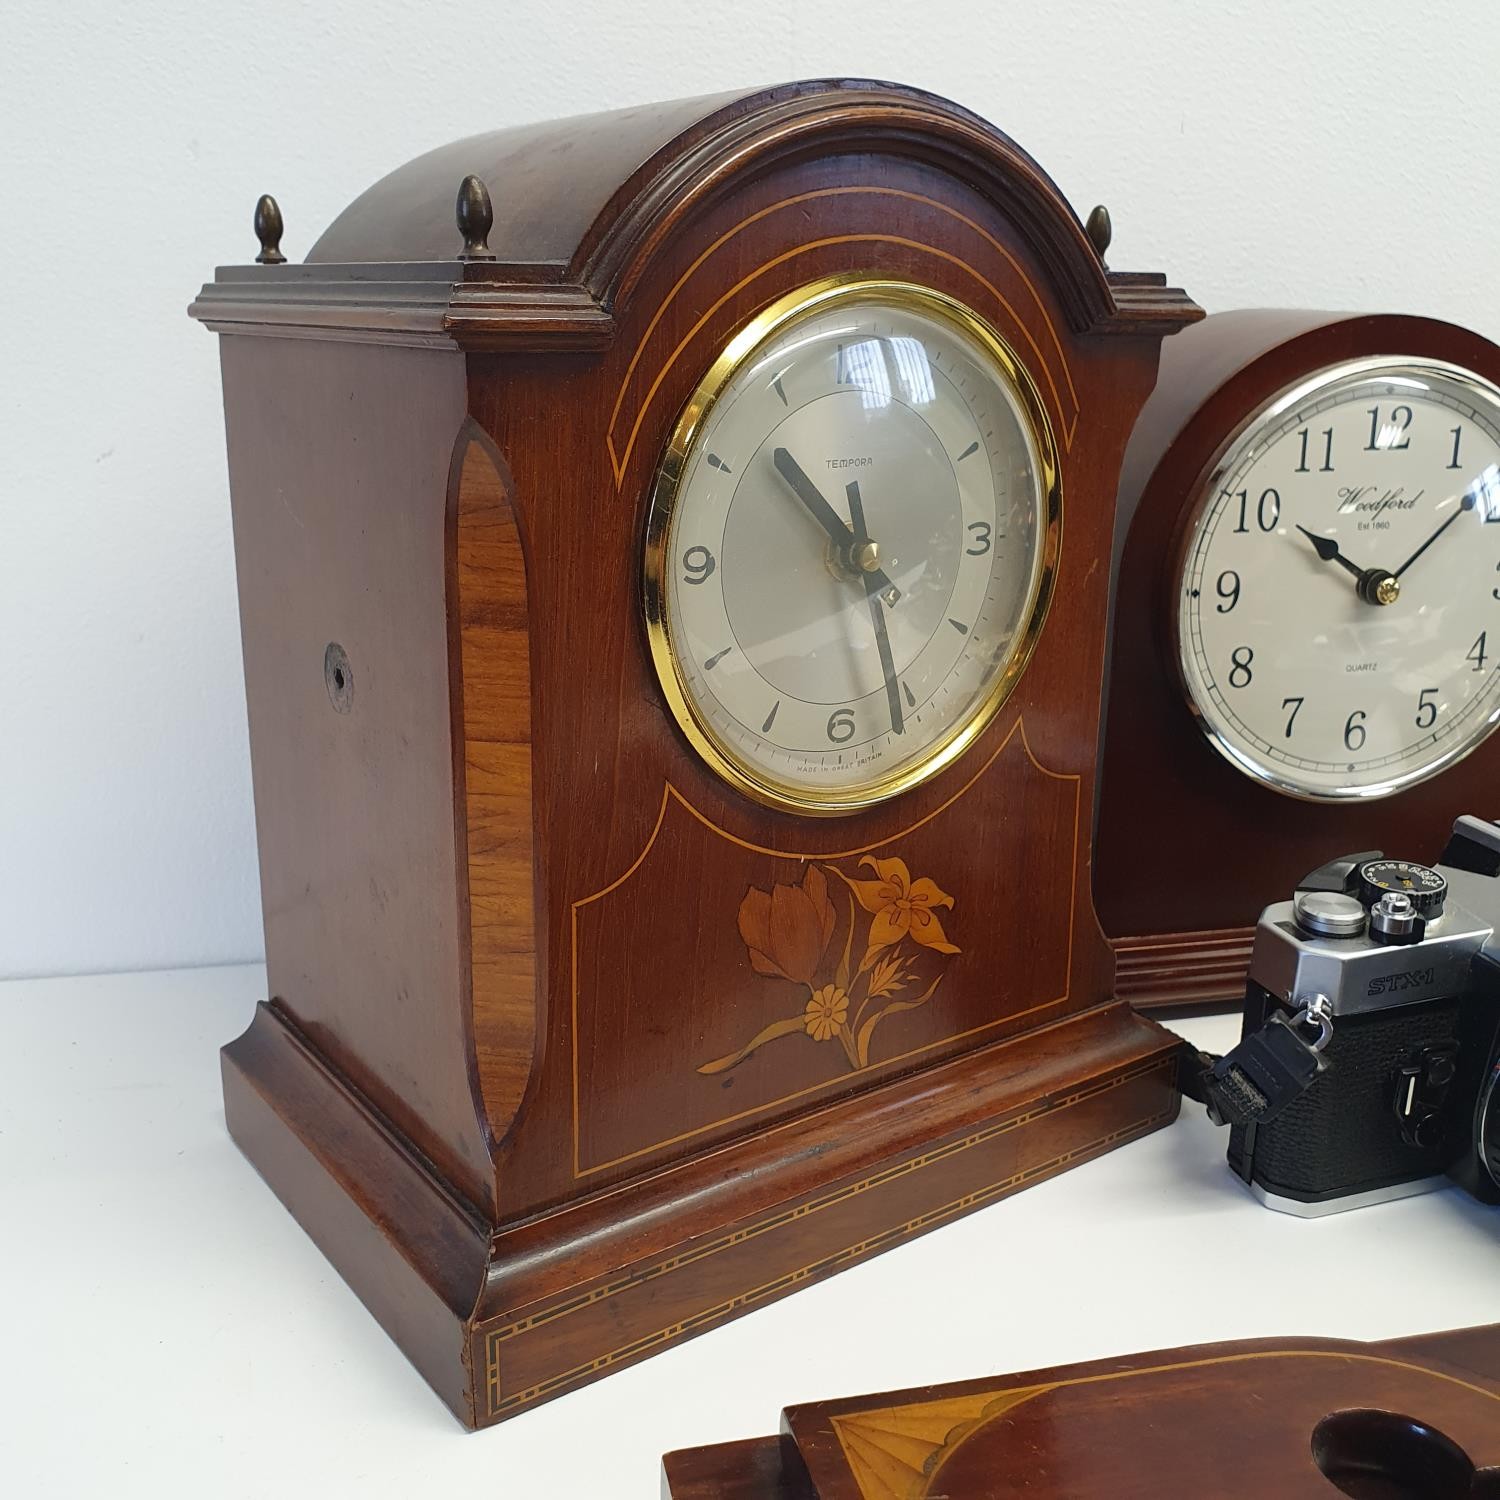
{"x": 806, "y": 302}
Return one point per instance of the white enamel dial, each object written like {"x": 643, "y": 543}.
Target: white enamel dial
{"x": 849, "y": 545}
{"x": 1338, "y": 604}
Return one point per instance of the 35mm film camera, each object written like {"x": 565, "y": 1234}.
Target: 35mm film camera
{"x": 1369, "y": 1065}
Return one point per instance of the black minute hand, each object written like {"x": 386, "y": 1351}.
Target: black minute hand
{"x": 1466, "y": 504}
{"x": 826, "y": 516}
{"x": 877, "y": 615}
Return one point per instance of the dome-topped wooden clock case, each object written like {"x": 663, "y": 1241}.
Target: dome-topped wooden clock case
{"x": 674, "y": 614}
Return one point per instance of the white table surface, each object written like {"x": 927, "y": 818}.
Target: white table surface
{"x": 167, "y": 1329}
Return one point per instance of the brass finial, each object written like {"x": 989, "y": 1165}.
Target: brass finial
{"x": 1100, "y": 230}
{"x": 268, "y": 229}
{"x": 476, "y": 217}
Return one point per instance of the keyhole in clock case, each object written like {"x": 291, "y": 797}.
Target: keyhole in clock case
{"x": 338, "y": 678}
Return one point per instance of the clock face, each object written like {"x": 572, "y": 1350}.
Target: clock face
{"x": 1338, "y": 605}
{"x": 851, "y": 544}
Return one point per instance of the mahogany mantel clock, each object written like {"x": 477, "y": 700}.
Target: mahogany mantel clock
{"x": 674, "y": 613}
{"x": 1306, "y": 638}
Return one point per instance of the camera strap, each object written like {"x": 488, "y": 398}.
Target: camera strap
{"x": 1269, "y": 1070}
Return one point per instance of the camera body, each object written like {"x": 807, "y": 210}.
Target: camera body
{"x": 1401, "y": 965}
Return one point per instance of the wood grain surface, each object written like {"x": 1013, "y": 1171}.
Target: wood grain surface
{"x": 1416, "y": 1419}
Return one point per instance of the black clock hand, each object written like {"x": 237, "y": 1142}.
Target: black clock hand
{"x": 877, "y": 611}
{"x": 827, "y": 517}
{"x": 1328, "y": 550}
{"x": 1373, "y": 585}
{"x": 1467, "y": 503}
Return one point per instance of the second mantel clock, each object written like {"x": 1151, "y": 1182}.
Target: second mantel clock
{"x": 1306, "y": 625}
{"x": 673, "y": 635}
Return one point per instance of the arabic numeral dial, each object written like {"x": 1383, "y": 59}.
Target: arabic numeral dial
{"x": 850, "y": 544}
{"x": 1336, "y": 620}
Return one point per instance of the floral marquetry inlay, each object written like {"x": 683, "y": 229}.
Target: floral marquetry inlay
{"x": 809, "y": 935}
{"x": 805, "y": 973}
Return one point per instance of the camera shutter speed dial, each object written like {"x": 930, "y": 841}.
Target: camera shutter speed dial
{"x": 1423, "y": 886}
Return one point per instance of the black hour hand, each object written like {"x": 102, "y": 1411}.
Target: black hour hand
{"x": 1328, "y": 550}
{"x": 827, "y": 517}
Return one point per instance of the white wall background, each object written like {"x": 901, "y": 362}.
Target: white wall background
{"x": 1339, "y": 154}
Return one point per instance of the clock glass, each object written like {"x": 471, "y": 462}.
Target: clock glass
{"x": 1338, "y": 599}
{"x": 851, "y": 544}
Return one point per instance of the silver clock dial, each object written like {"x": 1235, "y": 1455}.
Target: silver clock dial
{"x": 1338, "y": 604}
{"x": 850, "y": 561}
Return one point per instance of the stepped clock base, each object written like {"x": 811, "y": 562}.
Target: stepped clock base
{"x": 1173, "y": 970}
{"x": 499, "y": 1318}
